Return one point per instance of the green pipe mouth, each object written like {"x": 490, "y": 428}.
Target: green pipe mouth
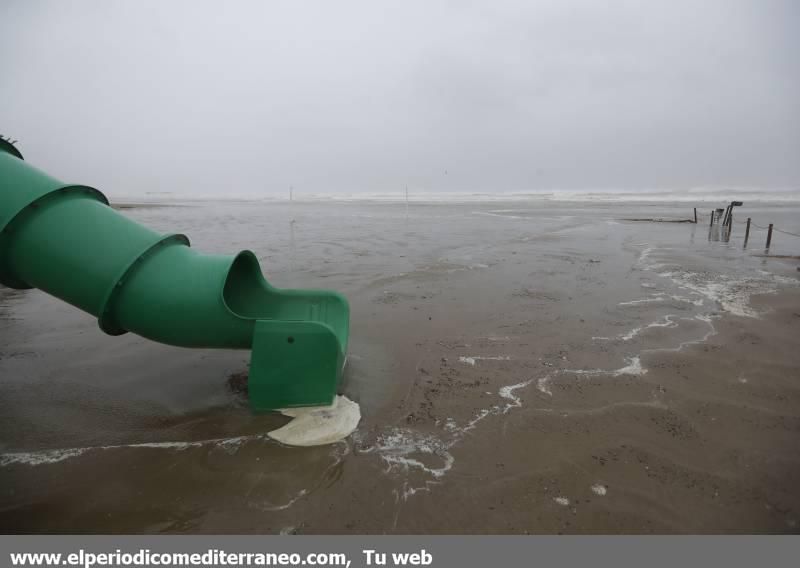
{"x": 244, "y": 283}
{"x": 248, "y": 295}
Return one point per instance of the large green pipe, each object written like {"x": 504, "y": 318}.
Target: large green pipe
{"x": 68, "y": 242}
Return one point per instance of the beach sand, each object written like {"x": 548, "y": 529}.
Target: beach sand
{"x": 522, "y": 367}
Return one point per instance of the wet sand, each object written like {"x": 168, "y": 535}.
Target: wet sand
{"x": 521, "y": 368}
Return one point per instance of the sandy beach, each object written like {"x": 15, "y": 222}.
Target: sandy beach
{"x": 524, "y": 366}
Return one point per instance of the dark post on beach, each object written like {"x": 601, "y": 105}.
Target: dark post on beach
{"x": 711, "y": 224}
{"x": 695, "y": 215}
{"x": 769, "y": 235}
{"x": 747, "y": 232}
{"x": 729, "y": 217}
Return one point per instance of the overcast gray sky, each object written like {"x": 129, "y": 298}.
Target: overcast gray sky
{"x": 339, "y": 96}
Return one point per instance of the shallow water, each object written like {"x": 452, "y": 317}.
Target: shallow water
{"x": 488, "y": 302}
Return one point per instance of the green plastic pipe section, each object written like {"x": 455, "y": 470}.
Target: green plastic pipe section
{"x": 67, "y": 241}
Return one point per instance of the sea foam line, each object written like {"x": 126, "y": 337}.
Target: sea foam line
{"x": 43, "y": 457}
{"x": 700, "y": 317}
{"x": 404, "y": 450}
{"x": 474, "y": 359}
{"x": 651, "y": 299}
{"x": 665, "y": 321}
{"x": 633, "y": 367}
{"x": 340, "y": 450}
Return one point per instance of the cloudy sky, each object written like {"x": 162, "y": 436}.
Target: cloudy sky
{"x": 241, "y": 97}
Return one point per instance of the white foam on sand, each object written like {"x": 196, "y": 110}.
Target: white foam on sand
{"x": 319, "y": 425}
{"x": 45, "y": 457}
{"x": 410, "y": 450}
{"x": 665, "y": 321}
{"x": 473, "y": 360}
{"x": 41, "y": 458}
{"x": 662, "y": 297}
{"x": 338, "y": 452}
{"x": 634, "y": 367}
{"x": 429, "y": 456}
{"x": 423, "y": 459}
{"x": 654, "y": 298}
{"x": 300, "y": 494}
{"x": 645, "y": 254}
{"x": 732, "y": 294}
{"x": 631, "y": 334}
{"x": 585, "y": 371}
{"x": 507, "y": 392}
{"x": 543, "y": 385}
{"x": 705, "y": 318}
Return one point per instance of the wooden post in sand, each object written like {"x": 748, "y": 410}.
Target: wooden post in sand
{"x": 695, "y": 215}
{"x": 711, "y": 224}
{"x": 769, "y": 235}
{"x": 747, "y": 232}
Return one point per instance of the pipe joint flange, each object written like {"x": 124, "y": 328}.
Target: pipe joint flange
{"x": 106, "y": 319}
{"x": 7, "y": 278}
